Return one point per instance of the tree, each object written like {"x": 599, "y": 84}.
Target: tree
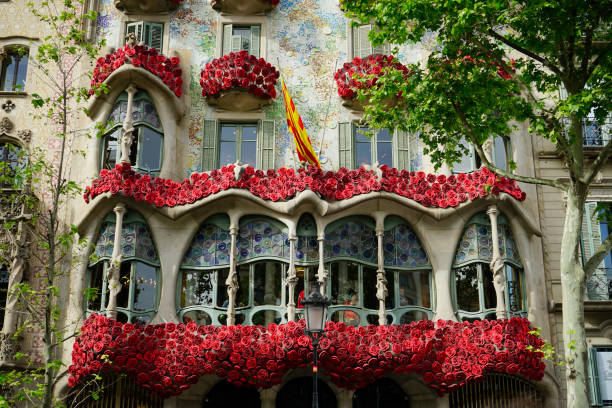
{"x": 500, "y": 62}
{"x": 34, "y": 220}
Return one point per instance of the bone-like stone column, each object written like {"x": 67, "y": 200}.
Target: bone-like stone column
{"x": 497, "y": 267}
{"x": 322, "y": 273}
{"x": 232, "y": 278}
{"x": 292, "y": 279}
{"x": 112, "y": 273}
{"x": 127, "y": 136}
{"x": 381, "y": 279}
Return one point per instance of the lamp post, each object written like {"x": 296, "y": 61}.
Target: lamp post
{"x": 315, "y": 307}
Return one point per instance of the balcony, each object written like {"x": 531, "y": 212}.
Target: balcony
{"x": 594, "y": 134}
{"x": 599, "y": 286}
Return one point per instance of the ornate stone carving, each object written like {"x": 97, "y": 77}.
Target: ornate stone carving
{"x": 113, "y": 275}
{"x": 292, "y": 279}
{"x": 146, "y": 6}
{"x": 8, "y": 348}
{"x": 6, "y": 126}
{"x": 25, "y": 135}
{"x": 497, "y": 267}
{"x": 131, "y": 39}
{"x": 232, "y": 279}
{"x": 8, "y": 106}
{"x": 242, "y": 7}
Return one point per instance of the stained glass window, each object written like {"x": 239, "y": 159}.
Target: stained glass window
{"x": 210, "y": 247}
{"x": 351, "y": 239}
{"x": 261, "y": 238}
{"x": 403, "y": 249}
{"x": 136, "y": 242}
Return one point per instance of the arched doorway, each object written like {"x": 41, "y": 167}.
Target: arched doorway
{"x": 225, "y": 395}
{"x": 297, "y": 393}
{"x": 383, "y": 393}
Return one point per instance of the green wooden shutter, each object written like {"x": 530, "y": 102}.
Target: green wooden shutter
{"x": 227, "y": 39}
{"x": 361, "y": 43}
{"x": 136, "y": 28}
{"x": 255, "y": 40}
{"x": 236, "y": 43}
{"x": 345, "y": 144}
{"x": 594, "y": 394}
{"x": 210, "y": 141}
{"x": 265, "y": 145}
{"x": 402, "y": 150}
{"x": 157, "y": 36}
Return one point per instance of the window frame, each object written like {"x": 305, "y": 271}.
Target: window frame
{"x": 374, "y": 144}
{"x": 593, "y": 375}
{"x": 5, "y": 275}
{"x": 21, "y": 160}
{"x": 239, "y": 139}
{"x": 593, "y": 239}
{"x": 14, "y": 51}
{"x": 354, "y": 33}
{"x": 151, "y": 25}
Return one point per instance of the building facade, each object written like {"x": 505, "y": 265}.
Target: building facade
{"x": 180, "y": 236}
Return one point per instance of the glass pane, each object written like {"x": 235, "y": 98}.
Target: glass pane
{"x": 304, "y": 274}
{"x": 239, "y": 318}
{"x": 413, "y": 316}
{"x": 145, "y": 291}
{"x": 198, "y": 316}
{"x": 465, "y": 164}
{"x": 249, "y": 132}
{"x": 466, "y": 283}
{"x": 515, "y": 294}
{"x": 344, "y": 283}
{"x": 221, "y": 289}
{"x": 370, "y": 301}
{"x": 124, "y": 293}
{"x": 242, "y": 296}
{"x": 384, "y": 150}
{"x": 390, "y": 299}
{"x": 363, "y": 154}
{"x": 150, "y": 149}
{"x": 414, "y": 289}
{"x": 499, "y": 151}
{"x": 248, "y": 153}
{"x": 197, "y": 288}
{"x": 96, "y": 278}
{"x": 268, "y": 283}
{"x": 8, "y": 72}
{"x": 487, "y": 285}
{"x": 22, "y": 69}
{"x": 150, "y": 115}
{"x": 110, "y": 150}
{"x": 227, "y": 153}
{"x": 346, "y": 316}
{"x": 245, "y": 34}
{"x": 265, "y": 317}
{"x": 142, "y": 320}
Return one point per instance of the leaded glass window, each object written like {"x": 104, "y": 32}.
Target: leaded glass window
{"x": 14, "y": 70}
{"x": 352, "y": 239}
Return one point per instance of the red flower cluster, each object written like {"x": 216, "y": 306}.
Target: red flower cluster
{"x": 239, "y": 70}
{"x": 349, "y": 77}
{"x": 283, "y": 184}
{"x": 479, "y": 60}
{"x": 140, "y": 56}
{"x": 272, "y": 2}
{"x": 168, "y": 358}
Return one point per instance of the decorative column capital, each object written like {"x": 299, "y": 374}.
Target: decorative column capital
{"x": 492, "y": 210}
{"x": 120, "y": 209}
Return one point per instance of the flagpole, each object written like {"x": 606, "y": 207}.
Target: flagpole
{"x": 327, "y": 112}
{"x": 293, "y": 138}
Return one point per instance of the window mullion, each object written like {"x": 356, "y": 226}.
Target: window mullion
{"x": 374, "y": 148}
{"x": 238, "y": 139}
{"x": 15, "y": 72}
{"x": 104, "y": 287}
{"x": 481, "y": 299}
{"x": 132, "y": 289}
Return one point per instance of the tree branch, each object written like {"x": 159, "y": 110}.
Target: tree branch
{"x": 598, "y": 163}
{"x": 598, "y": 256}
{"x": 597, "y": 61}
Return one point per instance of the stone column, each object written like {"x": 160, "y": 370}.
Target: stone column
{"x": 112, "y": 273}
{"x": 128, "y": 127}
{"x": 381, "y": 279}
{"x": 345, "y": 398}
{"x": 497, "y": 267}
{"x": 232, "y": 278}
{"x": 268, "y": 397}
{"x": 322, "y": 272}
{"x": 292, "y": 279}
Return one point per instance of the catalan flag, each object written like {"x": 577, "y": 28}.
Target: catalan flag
{"x": 294, "y": 121}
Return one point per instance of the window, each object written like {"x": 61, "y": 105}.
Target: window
{"x": 469, "y": 162}
{"x": 14, "y": 70}
{"x": 362, "y": 47}
{"x": 474, "y": 292}
{"x": 594, "y": 134}
{"x": 364, "y": 146}
{"x": 11, "y": 159}
{"x": 139, "y": 272}
{"x": 600, "y": 381}
{"x": 150, "y": 34}
{"x": 147, "y": 145}
{"x": 251, "y": 143}
{"x": 595, "y": 230}
{"x": 502, "y": 152}
{"x": 4, "y": 287}
{"x": 239, "y": 37}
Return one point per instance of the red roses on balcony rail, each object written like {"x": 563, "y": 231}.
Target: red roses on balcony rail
{"x": 283, "y": 184}
{"x": 167, "y": 69}
{"x": 168, "y": 358}
{"x": 239, "y": 70}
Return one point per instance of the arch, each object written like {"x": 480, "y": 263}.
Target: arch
{"x": 401, "y": 245}
{"x": 297, "y": 393}
{"x": 261, "y": 237}
{"x": 224, "y": 394}
{"x": 210, "y": 245}
{"x": 506, "y": 390}
{"x": 383, "y": 392}
{"x": 353, "y": 238}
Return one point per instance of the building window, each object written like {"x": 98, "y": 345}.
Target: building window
{"x": 469, "y": 162}
{"x": 139, "y": 272}
{"x": 361, "y": 145}
{"x": 11, "y": 159}
{"x": 362, "y": 47}
{"x": 147, "y": 145}
{"x": 14, "y": 70}
{"x": 250, "y": 143}
{"x": 595, "y": 230}
{"x": 600, "y": 381}
{"x": 241, "y": 37}
{"x": 4, "y": 287}
{"x": 502, "y": 152}
{"x": 594, "y": 133}
{"x": 473, "y": 287}
{"x": 150, "y": 34}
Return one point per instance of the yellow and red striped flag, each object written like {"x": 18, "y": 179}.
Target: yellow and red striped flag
{"x": 294, "y": 121}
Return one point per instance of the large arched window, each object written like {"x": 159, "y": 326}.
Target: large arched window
{"x": 12, "y": 159}
{"x": 147, "y": 145}
{"x": 139, "y": 274}
{"x": 14, "y": 69}
{"x": 474, "y": 292}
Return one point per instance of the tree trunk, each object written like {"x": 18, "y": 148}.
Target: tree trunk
{"x": 573, "y": 285}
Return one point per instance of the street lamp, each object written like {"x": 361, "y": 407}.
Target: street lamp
{"x": 315, "y": 306}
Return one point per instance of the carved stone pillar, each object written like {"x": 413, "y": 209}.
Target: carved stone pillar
{"x": 232, "y": 279}
{"x": 322, "y": 272}
{"x": 497, "y": 267}
{"x": 292, "y": 279}
{"x": 268, "y": 397}
{"x": 381, "y": 279}
{"x": 16, "y": 271}
{"x": 112, "y": 273}
{"x": 345, "y": 398}
{"x": 128, "y": 126}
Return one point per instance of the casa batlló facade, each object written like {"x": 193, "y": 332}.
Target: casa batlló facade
{"x": 205, "y": 233}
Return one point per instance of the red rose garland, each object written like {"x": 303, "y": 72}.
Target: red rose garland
{"x": 168, "y": 358}
{"x": 272, "y": 2}
{"x": 283, "y": 184}
{"x": 167, "y": 69}
{"x": 348, "y": 77}
{"x": 239, "y": 70}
